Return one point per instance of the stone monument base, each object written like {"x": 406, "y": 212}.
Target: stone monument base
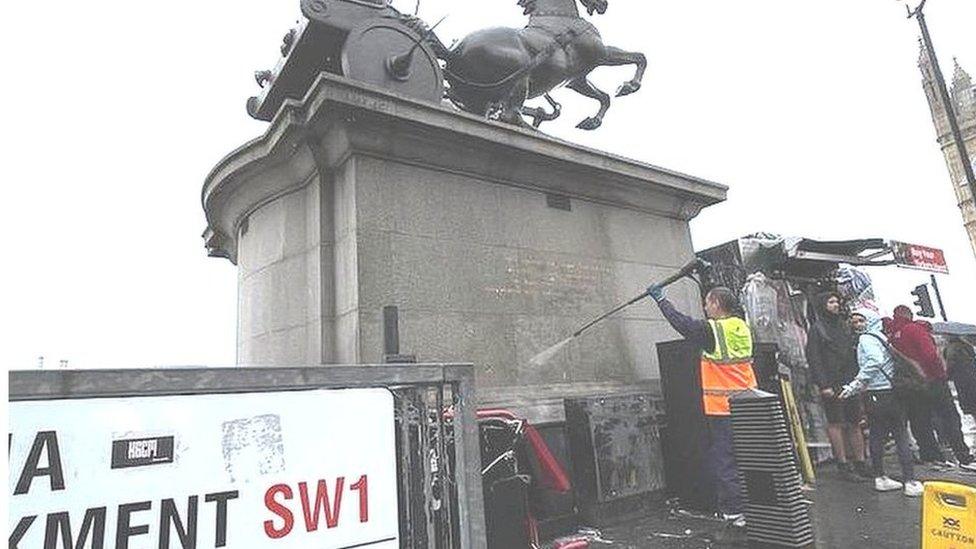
{"x": 493, "y": 242}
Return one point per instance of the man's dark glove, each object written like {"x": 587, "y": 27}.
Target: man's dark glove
{"x": 656, "y": 292}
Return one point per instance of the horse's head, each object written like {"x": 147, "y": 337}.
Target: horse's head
{"x": 599, "y": 6}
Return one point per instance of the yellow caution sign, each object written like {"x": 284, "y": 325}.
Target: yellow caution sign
{"x": 948, "y": 516}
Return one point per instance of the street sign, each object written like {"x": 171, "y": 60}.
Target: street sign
{"x": 284, "y": 469}
{"x": 923, "y": 258}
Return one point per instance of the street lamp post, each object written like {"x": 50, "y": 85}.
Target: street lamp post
{"x": 947, "y": 105}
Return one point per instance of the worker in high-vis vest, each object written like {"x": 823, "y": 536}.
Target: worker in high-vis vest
{"x": 726, "y": 368}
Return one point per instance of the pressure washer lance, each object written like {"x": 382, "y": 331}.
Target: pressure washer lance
{"x": 696, "y": 265}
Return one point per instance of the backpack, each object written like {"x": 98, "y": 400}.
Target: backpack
{"x": 908, "y": 378}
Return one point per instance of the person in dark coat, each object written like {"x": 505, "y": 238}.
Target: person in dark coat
{"x": 833, "y": 363}
{"x": 960, "y": 357}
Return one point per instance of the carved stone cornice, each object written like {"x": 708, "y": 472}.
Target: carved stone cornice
{"x": 339, "y": 118}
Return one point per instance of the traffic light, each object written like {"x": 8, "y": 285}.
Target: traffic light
{"x": 923, "y": 301}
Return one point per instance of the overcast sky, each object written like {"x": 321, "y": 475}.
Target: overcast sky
{"x": 811, "y": 111}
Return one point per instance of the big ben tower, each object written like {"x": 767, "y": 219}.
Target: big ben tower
{"x": 963, "y": 96}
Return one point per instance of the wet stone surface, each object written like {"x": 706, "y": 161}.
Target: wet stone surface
{"x": 845, "y": 515}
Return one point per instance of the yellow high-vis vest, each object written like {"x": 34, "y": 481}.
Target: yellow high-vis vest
{"x": 728, "y": 369}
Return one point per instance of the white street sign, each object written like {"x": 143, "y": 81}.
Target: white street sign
{"x": 284, "y": 469}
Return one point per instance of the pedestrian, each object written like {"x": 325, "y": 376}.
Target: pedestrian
{"x": 831, "y": 354}
{"x": 914, "y": 339}
{"x": 886, "y": 417}
{"x": 960, "y": 357}
{"x": 725, "y": 341}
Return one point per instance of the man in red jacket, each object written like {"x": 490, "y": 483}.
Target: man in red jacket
{"x": 914, "y": 339}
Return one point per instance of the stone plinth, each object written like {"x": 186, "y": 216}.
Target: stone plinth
{"x": 493, "y": 242}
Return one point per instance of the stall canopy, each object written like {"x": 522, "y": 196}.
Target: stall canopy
{"x": 806, "y": 258}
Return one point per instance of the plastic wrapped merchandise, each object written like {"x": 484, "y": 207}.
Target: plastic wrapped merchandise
{"x": 775, "y": 315}
{"x": 774, "y": 318}
{"x": 856, "y": 288}
{"x": 759, "y": 301}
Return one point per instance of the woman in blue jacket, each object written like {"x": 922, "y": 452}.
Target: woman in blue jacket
{"x": 876, "y": 369}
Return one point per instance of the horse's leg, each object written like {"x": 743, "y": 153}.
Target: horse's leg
{"x": 509, "y": 109}
{"x": 586, "y": 88}
{"x": 513, "y": 116}
{"x": 540, "y": 115}
{"x": 616, "y": 57}
{"x": 537, "y": 114}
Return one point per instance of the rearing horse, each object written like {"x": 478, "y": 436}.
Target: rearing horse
{"x": 493, "y": 71}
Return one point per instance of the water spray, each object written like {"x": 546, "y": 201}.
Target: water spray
{"x": 696, "y": 265}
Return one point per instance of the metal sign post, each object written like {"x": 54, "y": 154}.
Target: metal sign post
{"x": 938, "y": 298}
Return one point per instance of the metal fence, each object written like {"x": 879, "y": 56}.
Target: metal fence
{"x": 438, "y": 453}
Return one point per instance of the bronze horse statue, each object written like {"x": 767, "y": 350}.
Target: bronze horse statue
{"x": 494, "y": 71}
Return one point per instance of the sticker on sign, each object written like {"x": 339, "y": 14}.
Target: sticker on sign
{"x": 278, "y": 469}
{"x": 923, "y": 258}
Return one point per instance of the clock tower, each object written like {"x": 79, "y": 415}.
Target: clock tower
{"x": 963, "y": 93}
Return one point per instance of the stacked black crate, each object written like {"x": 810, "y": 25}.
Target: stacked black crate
{"x": 776, "y": 511}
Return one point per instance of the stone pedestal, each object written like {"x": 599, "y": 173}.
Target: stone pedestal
{"x": 493, "y": 242}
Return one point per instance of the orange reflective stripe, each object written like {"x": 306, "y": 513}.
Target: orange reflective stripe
{"x": 720, "y": 380}
{"x": 736, "y": 377}
{"x": 731, "y": 361}
{"x": 720, "y": 392}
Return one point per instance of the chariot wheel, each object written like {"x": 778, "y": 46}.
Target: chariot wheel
{"x": 386, "y": 53}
